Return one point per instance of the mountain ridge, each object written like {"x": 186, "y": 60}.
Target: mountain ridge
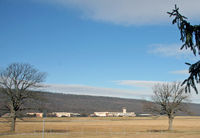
{"x": 87, "y": 104}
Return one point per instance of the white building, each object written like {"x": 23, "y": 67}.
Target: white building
{"x": 101, "y": 114}
{"x": 115, "y": 114}
{"x": 65, "y": 114}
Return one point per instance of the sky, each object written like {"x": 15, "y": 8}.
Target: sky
{"x": 98, "y": 47}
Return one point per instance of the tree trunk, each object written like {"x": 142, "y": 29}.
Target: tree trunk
{"x": 13, "y": 120}
{"x": 170, "y": 123}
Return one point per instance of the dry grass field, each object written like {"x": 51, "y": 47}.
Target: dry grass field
{"x": 137, "y": 127}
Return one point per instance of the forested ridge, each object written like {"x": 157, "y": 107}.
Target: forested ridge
{"x": 85, "y": 104}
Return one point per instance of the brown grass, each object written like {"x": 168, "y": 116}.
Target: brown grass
{"x": 138, "y": 127}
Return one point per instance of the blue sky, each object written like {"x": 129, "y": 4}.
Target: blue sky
{"x": 104, "y": 46}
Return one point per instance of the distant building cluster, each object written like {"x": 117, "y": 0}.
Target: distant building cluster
{"x": 54, "y": 114}
{"x": 124, "y": 113}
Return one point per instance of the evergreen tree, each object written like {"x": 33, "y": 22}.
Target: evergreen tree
{"x": 190, "y": 36}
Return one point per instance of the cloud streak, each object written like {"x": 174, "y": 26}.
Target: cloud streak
{"x": 147, "y": 86}
{"x": 96, "y": 91}
{"x": 136, "y": 83}
{"x": 144, "y": 93}
{"x": 130, "y": 12}
{"x": 179, "y": 72}
{"x": 171, "y": 50}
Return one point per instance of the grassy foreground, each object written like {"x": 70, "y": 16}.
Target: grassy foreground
{"x": 138, "y": 127}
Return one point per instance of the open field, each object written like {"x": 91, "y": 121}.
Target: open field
{"x": 138, "y": 127}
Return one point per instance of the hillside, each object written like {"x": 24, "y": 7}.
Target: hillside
{"x": 89, "y": 104}
{"x": 53, "y": 102}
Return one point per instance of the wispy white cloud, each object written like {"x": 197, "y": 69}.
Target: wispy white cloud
{"x": 144, "y": 93}
{"x": 179, "y": 72}
{"x": 147, "y": 86}
{"x": 130, "y": 12}
{"x": 136, "y": 83}
{"x": 171, "y": 50}
{"x": 96, "y": 91}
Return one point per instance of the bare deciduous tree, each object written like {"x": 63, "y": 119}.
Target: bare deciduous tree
{"x": 15, "y": 82}
{"x": 168, "y": 99}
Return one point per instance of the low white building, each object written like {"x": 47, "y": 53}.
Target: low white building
{"x": 65, "y": 114}
{"x": 115, "y": 114}
{"x": 101, "y": 114}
